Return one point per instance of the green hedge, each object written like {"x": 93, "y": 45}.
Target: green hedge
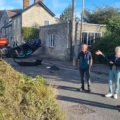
{"x": 107, "y": 45}
{"x": 30, "y": 33}
{"x": 110, "y": 41}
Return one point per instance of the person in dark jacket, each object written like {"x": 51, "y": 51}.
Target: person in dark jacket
{"x": 114, "y": 62}
{"x": 84, "y": 63}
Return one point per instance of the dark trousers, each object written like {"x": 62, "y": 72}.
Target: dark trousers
{"x": 85, "y": 72}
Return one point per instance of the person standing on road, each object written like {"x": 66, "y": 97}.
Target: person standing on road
{"x": 114, "y": 61}
{"x": 84, "y": 63}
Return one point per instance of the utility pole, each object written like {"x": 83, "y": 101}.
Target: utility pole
{"x": 73, "y": 30}
{"x": 82, "y": 15}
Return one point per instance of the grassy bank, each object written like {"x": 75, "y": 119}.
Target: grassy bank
{"x": 22, "y": 98}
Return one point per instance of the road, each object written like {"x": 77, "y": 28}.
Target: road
{"x": 77, "y": 105}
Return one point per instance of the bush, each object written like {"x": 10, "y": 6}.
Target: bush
{"x": 22, "y": 98}
{"x": 107, "y": 45}
{"x": 30, "y": 33}
{"x": 110, "y": 41}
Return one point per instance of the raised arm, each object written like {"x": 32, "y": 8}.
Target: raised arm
{"x": 109, "y": 57}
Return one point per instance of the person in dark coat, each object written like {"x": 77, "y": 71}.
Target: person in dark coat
{"x": 114, "y": 62}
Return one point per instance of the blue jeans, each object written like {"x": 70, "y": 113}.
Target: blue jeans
{"x": 114, "y": 74}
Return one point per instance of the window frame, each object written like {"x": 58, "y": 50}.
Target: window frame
{"x": 88, "y": 36}
{"x": 46, "y": 21}
{"x": 51, "y": 40}
{"x": 15, "y": 22}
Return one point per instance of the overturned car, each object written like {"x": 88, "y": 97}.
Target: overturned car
{"x": 23, "y": 50}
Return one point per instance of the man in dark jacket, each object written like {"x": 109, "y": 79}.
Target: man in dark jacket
{"x": 84, "y": 63}
{"x": 114, "y": 61}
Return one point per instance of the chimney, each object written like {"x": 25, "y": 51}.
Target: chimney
{"x": 26, "y": 3}
{"x": 38, "y": 0}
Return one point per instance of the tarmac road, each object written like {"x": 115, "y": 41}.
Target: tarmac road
{"x": 78, "y": 105}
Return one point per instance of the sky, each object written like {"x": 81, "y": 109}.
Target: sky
{"x": 58, "y": 6}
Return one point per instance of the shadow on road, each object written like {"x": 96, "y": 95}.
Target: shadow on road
{"x": 87, "y": 102}
{"x": 77, "y": 90}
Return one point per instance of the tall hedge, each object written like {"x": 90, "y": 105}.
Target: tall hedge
{"x": 30, "y": 33}
{"x": 108, "y": 43}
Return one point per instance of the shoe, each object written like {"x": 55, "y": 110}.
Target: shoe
{"x": 115, "y": 96}
{"x": 108, "y": 95}
{"x": 81, "y": 89}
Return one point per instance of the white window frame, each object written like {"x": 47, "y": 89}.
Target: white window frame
{"x": 47, "y": 21}
{"x": 91, "y": 32}
{"x": 15, "y": 23}
{"x": 52, "y": 41}
{"x": 18, "y": 22}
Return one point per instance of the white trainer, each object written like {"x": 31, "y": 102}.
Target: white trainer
{"x": 108, "y": 95}
{"x": 115, "y": 96}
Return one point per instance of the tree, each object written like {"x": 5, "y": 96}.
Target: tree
{"x": 114, "y": 25}
{"x": 111, "y": 39}
{"x": 67, "y": 14}
{"x": 101, "y": 15}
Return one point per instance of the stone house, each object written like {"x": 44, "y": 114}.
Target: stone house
{"x": 6, "y": 22}
{"x": 35, "y": 15}
{"x": 57, "y": 42}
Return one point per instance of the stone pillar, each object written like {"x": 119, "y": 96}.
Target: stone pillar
{"x": 26, "y": 3}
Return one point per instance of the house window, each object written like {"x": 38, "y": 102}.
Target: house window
{"x": 52, "y": 40}
{"x": 18, "y": 21}
{"x": 46, "y": 22}
{"x": 14, "y": 23}
{"x": 90, "y": 37}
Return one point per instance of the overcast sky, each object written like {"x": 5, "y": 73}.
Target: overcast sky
{"x": 57, "y": 6}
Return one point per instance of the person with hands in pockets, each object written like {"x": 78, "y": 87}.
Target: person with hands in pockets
{"x": 84, "y": 63}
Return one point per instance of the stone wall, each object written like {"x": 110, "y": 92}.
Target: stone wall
{"x": 62, "y": 41}
{"x": 17, "y": 29}
{"x": 9, "y": 35}
{"x": 4, "y": 19}
{"x": 62, "y": 31}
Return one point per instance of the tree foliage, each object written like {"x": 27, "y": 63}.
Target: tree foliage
{"x": 111, "y": 39}
{"x": 114, "y": 25}
{"x": 67, "y": 14}
{"x": 101, "y": 15}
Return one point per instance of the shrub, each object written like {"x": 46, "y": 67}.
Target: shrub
{"x": 23, "y": 98}
{"x": 111, "y": 39}
{"x": 107, "y": 45}
{"x": 30, "y": 33}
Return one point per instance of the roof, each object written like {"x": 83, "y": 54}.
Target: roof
{"x": 10, "y": 12}
{"x": 7, "y": 25}
{"x": 40, "y": 3}
{"x": 13, "y": 12}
